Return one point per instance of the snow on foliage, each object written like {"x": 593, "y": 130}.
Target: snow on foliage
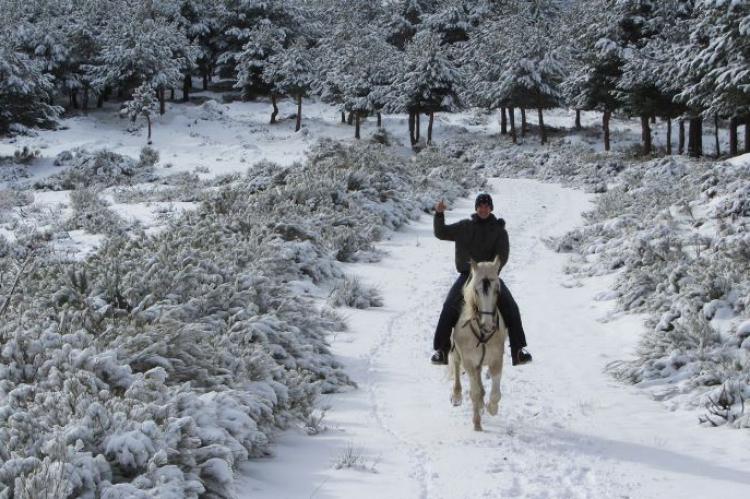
{"x": 677, "y": 234}
{"x": 158, "y": 364}
{"x": 101, "y": 168}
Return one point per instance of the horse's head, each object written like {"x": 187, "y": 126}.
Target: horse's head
{"x": 482, "y": 291}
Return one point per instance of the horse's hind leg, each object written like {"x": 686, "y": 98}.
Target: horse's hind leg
{"x": 496, "y": 369}
{"x": 455, "y": 362}
{"x": 477, "y": 396}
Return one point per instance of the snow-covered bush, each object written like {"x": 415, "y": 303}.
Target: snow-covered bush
{"x": 149, "y": 157}
{"x": 25, "y": 155}
{"x": 350, "y": 292}
{"x": 161, "y": 362}
{"x": 101, "y": 169}
{"x": 92, "y": 214}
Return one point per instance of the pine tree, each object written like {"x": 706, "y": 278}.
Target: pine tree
{"x": 143, "y": 49}
{"x": 532, "y": 72}
{"x": 715, "y": 64}
{"x": 143, "y": 104}
{"x": 264, "y": 41}
{"x": 368, "y": 70}
{"x": 427, "y": 81}
{"x": 593, "y": 84}
{"x": 240, "y": 17}
{"x": 289, "y": 72}
{"x": 452, "y": 23}
{"x": 25, "y": 91}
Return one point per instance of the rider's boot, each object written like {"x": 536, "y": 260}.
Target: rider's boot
{"x": 520, "y": 356}
{"x": 439, "y": 358}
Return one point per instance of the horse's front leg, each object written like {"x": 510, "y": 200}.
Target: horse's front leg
{"x": 477, "y": 395}
{"x": 455, "y": 361}
{"x": 496, "y": 370}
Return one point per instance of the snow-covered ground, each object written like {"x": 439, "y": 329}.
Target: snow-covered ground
{"x": 565, "y": 428}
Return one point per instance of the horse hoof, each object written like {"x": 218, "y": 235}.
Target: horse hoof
{"x": 477, "y": 427}
{"x": 492, "y": 409}
{"x": 456, "y": 401}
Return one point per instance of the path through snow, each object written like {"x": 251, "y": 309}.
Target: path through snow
{"x": 565, "y": 429}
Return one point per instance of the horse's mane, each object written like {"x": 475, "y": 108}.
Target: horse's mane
{"x": 470, "y": 295}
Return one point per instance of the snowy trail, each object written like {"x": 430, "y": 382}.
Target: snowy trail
{"x": 565, "y": 429}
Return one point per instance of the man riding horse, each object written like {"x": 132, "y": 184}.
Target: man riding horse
{"x": 480, "y": 238}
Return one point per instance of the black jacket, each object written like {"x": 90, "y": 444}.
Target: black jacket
{"x": 477, "y": 239}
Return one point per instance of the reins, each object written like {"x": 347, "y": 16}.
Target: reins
{"x": 481, "y": 337}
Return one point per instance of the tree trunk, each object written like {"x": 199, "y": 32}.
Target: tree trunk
{"x": 747, "y": 133}
{"x": 299, "y": 113}
{"x": 653, "y": 119}
{"x": 681, "y": 139}
{"x": 100, "y": 101}
{"x": 74, "y": 98}
{"x": 605, "y": 127}
{"x": 669, "y": 136}
{"x": 503, "y": 121}
{"x": 695, "y": 138}
{"x": 162, "y": 105}
{"x": 733, "y": 123}
{"x": 186, "y": 88}
{"x": 542, "y": 133}
{"x": 85, "y": 100}
{"x": 716, "y": 135}
{"x": 417, "y": 126}
{"x": 350, "y": 118}
{"x": 380, "y": 120}
{"x": 578, "y": 119}
{"x": 356, "y": 126}
{"x": 429, "y": 128}
{"x": 412, "y": 121}
{"x": 343, "y": 118}
{"x": 171, "y": 94}
{"x": 148, "y": 120}
{"x": 512, "y": 119}
{"x": 205, "y": 80}
{"x": 646, "y": 135}
{"x": 523, "y": 122}
{"x": 275, "y": 108}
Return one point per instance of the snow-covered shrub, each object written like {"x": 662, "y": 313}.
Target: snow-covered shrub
{"x": 381, "y": 136}
{"x": 162, "y": 362}
{"x": 63, "y": 158}
{"x": 149, "y": 157}
{"x": 353, "y": 457}
{"x": 350, "y": 292}
{"x": 101, "y": 169}
{"x": 92, "y": 214}
{"x": 25, "y": 155}
{"x": 183, "y": 186}
{"x": 211, "y": 110}
{"x": 13, "y": 198}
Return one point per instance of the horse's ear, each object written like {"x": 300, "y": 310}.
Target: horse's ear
{"x": 473, "y": 265}
{"x": 497, "y": 263}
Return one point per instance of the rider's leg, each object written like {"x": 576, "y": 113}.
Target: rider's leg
{"x": 449, "y": 314}
{"x": 512, "y": 318}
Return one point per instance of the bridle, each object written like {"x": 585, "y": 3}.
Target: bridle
{"x": 479, "y": 334}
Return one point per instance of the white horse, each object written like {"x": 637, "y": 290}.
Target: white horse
{"x": 479, "y": 338}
